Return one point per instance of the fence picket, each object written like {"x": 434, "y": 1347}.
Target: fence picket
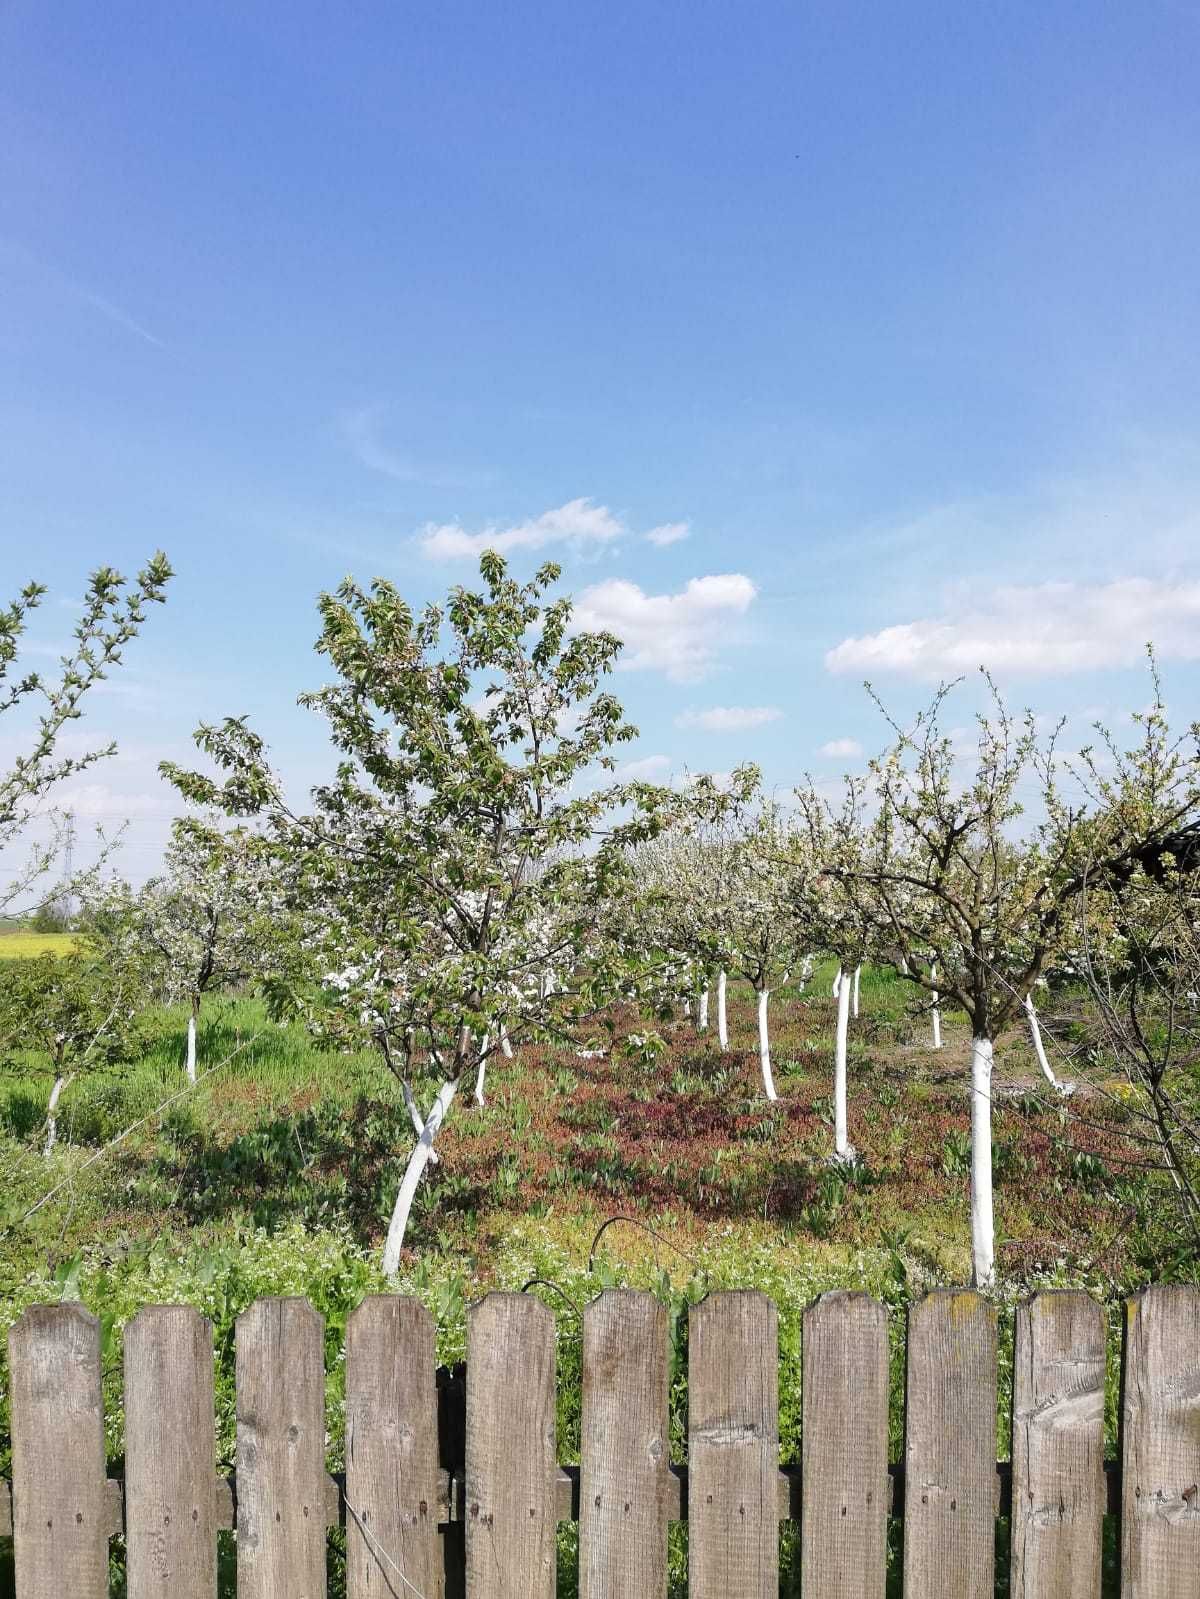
{"x": 425, "y": 1447}
{"x": 950, "y": 1447}
{"x": 1160, "y": 1485}
{"x": 60, "y": 1499}
{"x": 512, "y": 1464}
{"x": 391, "y": 1451}
{"x": 281, "y": 1479}
{"x": 843, "y": 1538}
{"x": 170, "y": 1455}
{"x": 626, "y": 1455}
{"x": 733, "y": 1448}
{"x": 1058, "y": 1488}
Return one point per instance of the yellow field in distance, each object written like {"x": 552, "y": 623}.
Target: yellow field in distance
{"x": 20, "y": 946}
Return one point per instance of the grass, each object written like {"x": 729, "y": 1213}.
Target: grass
{"x": 277, "y": 1175}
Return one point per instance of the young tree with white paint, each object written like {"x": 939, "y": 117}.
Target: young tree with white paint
{"x": 977, "y": 916}
{"x": 767, "y": 933}
{"x": 78, "y": 1012}
{"x": 209, "y": 922}
{"x": 459, "y": 855}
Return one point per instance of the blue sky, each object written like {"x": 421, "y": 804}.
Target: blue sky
{"x": 881, "y": 320}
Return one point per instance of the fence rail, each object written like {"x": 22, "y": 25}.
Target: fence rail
{"x": 453, "y": 1486}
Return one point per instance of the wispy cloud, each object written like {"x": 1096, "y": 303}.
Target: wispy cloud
{"x": 729, "y": 718}
{"x": 841, "y": 749}
{"x": 678, "y": 634}
{"x": 17, "y": 255}
{"x": 361, "y": 429}
{"x": 578, "y": 523}
{"x": 649, "y": 767}
{"x": 668, "y": 533}
{"x": 581, "y": 524}
{"x": 1044, "y": 629}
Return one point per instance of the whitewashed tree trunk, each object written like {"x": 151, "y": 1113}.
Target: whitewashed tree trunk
{"x": 837, "y": 983}
{"x": 1039, "y": 1049}
{"x": 854, "y": 997}
{"x": 687, "y": 1007}
{"x": 418, "y": 1121}
{"x": 982, "y": 1223}
{"x": 722, "y": 1019}
{"x": 764, "y": 1044}
{"x": 506, "y": 1048}
{"x": 936, "y": 1013}
{"x": 702, "y": 1019}
{"x": 56, "y": 1093}
{"x": 191, "y": 1044}
{"x": 481, "y": 1070}
{"x": 844, "y": 1150}
{"x": 417, "y": 1162}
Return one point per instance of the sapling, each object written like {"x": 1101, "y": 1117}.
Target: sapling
{"x": 78, "y": 1013}
{"x": 453, "y": 876}
{"x": 929, "y": 862}
{"x": 212, "y": 919}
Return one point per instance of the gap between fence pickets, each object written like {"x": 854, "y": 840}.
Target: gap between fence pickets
{"x": 450, "y": 1497}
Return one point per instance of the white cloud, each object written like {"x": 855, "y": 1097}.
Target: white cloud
{"x": 841, "y": 748}
{"x": 1049, "y": 628}
{"x": 729, "y": 718}
{"x": 668, "y": 533}
{"x": 673, "y": 633}
{"x": 578, "y": 522}
{"x": 99, "y": 802}
{"x": 649, "y": 767}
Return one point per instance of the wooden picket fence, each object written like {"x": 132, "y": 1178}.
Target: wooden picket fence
{"x": 445, "y": 1493}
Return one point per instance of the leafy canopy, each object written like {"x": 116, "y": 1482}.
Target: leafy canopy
{"x": 472, "y": 834}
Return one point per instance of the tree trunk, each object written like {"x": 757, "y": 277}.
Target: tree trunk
{"x": 983, "y": 1246}
{"x": 702, "y": 1019}
{"x": 417, "y": 1162}
{"x": 60, "y": 1082}
{"x": 191, "y": 1039}
{"x": 418, "y": 1120}
{"x": 722, "y": 1019}
{"x": 844, "y": 1150}
{"x": 854, "y": 997}
{"x": 837, "y": 983}
{"x": 764, "y": 1044}
{"x": 481, "y": 1070}
{"x": 506, "y": 1048}
{"x": 1039, "y": 1049}
{"x": 936, "y": 1013}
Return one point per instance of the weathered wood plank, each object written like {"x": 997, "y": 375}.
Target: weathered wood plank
{"x": 844, "y": 1443}
{"x": 60, "y": 1495}
{"x": 281, "y": 1478}
{"x": 733, "y": 1448}
{"x": 624, "y": 1472}
{"x": 950, "y": 1447}
{"x": 1160, "y": 1416}
{"x": 170, "y": 1451}
{"x": 1059, "y": 1494}
{"x": 391, "y": 1450}
{"x": 512, "y": 1463}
